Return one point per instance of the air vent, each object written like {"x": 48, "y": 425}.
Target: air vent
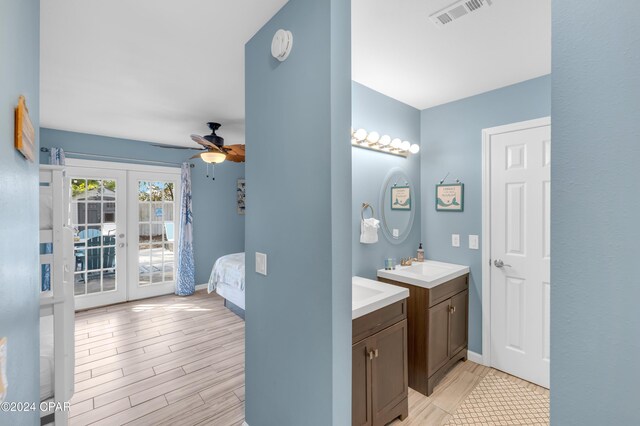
{"x": 457, "y": 10}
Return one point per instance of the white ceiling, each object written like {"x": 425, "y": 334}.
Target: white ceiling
{"x": 158, "y": 70}
{"x": 398, "y": 51}
{"x": 152, "y": 70}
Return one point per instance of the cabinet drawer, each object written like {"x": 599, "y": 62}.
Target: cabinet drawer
{"x": 376, "y": 321}
{"x": 445, "y": 291}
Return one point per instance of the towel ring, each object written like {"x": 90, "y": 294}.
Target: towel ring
{"x": 364, "y": 207}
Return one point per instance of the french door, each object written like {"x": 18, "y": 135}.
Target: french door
{"x": 125, "y": 232}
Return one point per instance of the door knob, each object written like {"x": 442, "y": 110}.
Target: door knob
{"x": 500, "y": 264}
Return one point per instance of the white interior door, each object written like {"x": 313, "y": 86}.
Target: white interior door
{"x": 98, "y": 216}
{"x": 520, "y": 251}
{"x": 153, "y": 232}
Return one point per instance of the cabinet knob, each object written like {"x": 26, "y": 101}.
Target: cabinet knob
{"x": 375, "y": 352}
{"x": 370, "y": 354}
{"x": 452, "y": 309}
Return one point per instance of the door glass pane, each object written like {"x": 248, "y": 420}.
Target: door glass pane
{"x": 157, "y": 232}
{"x": 109, "y": 280}
{"x": 93, "y": 216}
{"x": 168, "y": 191}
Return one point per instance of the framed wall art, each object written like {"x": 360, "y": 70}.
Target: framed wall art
{"x": 240, "y": 191}
{"x": 25, "y": 136}
{"x": 401, "y": 198}
{"x": 450, "y": 197}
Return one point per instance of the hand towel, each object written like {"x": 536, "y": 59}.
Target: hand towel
{"x": 369, "y": 230}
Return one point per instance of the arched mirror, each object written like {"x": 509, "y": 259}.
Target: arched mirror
{"x": 397, "y": 206}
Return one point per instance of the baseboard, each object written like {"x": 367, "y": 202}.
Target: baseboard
{"x": 245, "y": 424}
{"x": 201, "y": 286}
{"x": 475, "y": 357}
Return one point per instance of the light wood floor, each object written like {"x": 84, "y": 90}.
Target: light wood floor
{"x": 180, "y": 361}
{"x": 168, "y": 360}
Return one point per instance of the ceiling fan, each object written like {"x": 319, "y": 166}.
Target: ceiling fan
{"x": 213, "y": 148}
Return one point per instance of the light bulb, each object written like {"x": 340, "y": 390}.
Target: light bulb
{"x": 360, "y": 134}
{"x": 373, "y": 137}
{"x": 385, "y": 140}
{"x": 405, "y": 145}
{"x": 396, "y": 143}
{"x": 415, "y": 148}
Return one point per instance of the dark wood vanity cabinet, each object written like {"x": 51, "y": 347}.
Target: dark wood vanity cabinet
{"x": 437, "y": 320}
{"x": 380, "y": 366}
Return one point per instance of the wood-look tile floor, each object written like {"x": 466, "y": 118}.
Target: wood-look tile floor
{"x": 180, "y": 361}
{"x": 167, "y": 360}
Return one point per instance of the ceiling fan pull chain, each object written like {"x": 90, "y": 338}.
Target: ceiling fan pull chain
{"x": 213, "y": 171}
{"x": 207, "y": 169}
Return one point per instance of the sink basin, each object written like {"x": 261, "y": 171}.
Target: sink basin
{"x": 361, "y": 293}
{"x": 427, "y": 274}
{"x": 368, "y": 296}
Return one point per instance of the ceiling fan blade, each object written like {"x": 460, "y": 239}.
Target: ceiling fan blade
{"x": 195, "y": 156}
{"x": 202, "y": 141}
{"x": 175, "y": 147}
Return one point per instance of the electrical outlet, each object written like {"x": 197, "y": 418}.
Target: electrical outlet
{"x": 261, "y": 263}
{"x": 473, "y": 242}
{"x": 455, "y": 240}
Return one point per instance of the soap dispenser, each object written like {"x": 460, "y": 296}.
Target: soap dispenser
{"x": 420, "y": 255}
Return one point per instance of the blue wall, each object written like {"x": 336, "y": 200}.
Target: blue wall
{"x": 452, "y": 142}
{"x": 218, "y": 228}
{"x": 374, "y": 111}
{"x": 19, "y": 296}
{"x": 298, "y": 317}
{"x": 595, "y": 320}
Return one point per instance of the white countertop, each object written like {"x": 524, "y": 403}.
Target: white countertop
{"x": 427, "y": 274}
{"x": 369, "y": 295}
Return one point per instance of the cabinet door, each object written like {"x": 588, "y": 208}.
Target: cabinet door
{"x": 361, "y": 384}
{"x": 458, "y": 322}
{"x": 438, "y": 335}
{"x": 390, "y": 371}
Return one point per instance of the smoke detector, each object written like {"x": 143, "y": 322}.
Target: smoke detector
{"x": 457, "y": 10}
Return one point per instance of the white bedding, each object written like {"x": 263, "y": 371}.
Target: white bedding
{"x": 46, "y": 357}
{"x": 232, "y": 294}
{"x": 229, "y": 270}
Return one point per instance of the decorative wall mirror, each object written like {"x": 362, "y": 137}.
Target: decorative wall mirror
{"x": 397, "y": 206}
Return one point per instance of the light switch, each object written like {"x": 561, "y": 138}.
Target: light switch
{"x": 473, "y": 242}
{"x": 396, "y": 233}
{"x": 455, "y": 240}
{"x": 261, "y": 263}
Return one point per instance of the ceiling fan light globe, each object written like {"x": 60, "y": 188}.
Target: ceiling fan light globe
{"x": 213, "y": 157}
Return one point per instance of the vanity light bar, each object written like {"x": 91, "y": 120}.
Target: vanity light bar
{"x": 373, "y": 141}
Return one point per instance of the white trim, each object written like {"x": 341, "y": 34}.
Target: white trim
{"x": 201, "y": 286}
{"x": 487, "y": 134}
{"x": 245, "y": 424}
{"x": 475, "y": 357}
{"x": 78, "y": 162}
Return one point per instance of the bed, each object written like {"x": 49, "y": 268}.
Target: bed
{"x": 56, "y": 297}
{"x": 227, "y": 279}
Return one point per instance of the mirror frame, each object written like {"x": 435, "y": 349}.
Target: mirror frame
{"x": 395, "y": 171}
